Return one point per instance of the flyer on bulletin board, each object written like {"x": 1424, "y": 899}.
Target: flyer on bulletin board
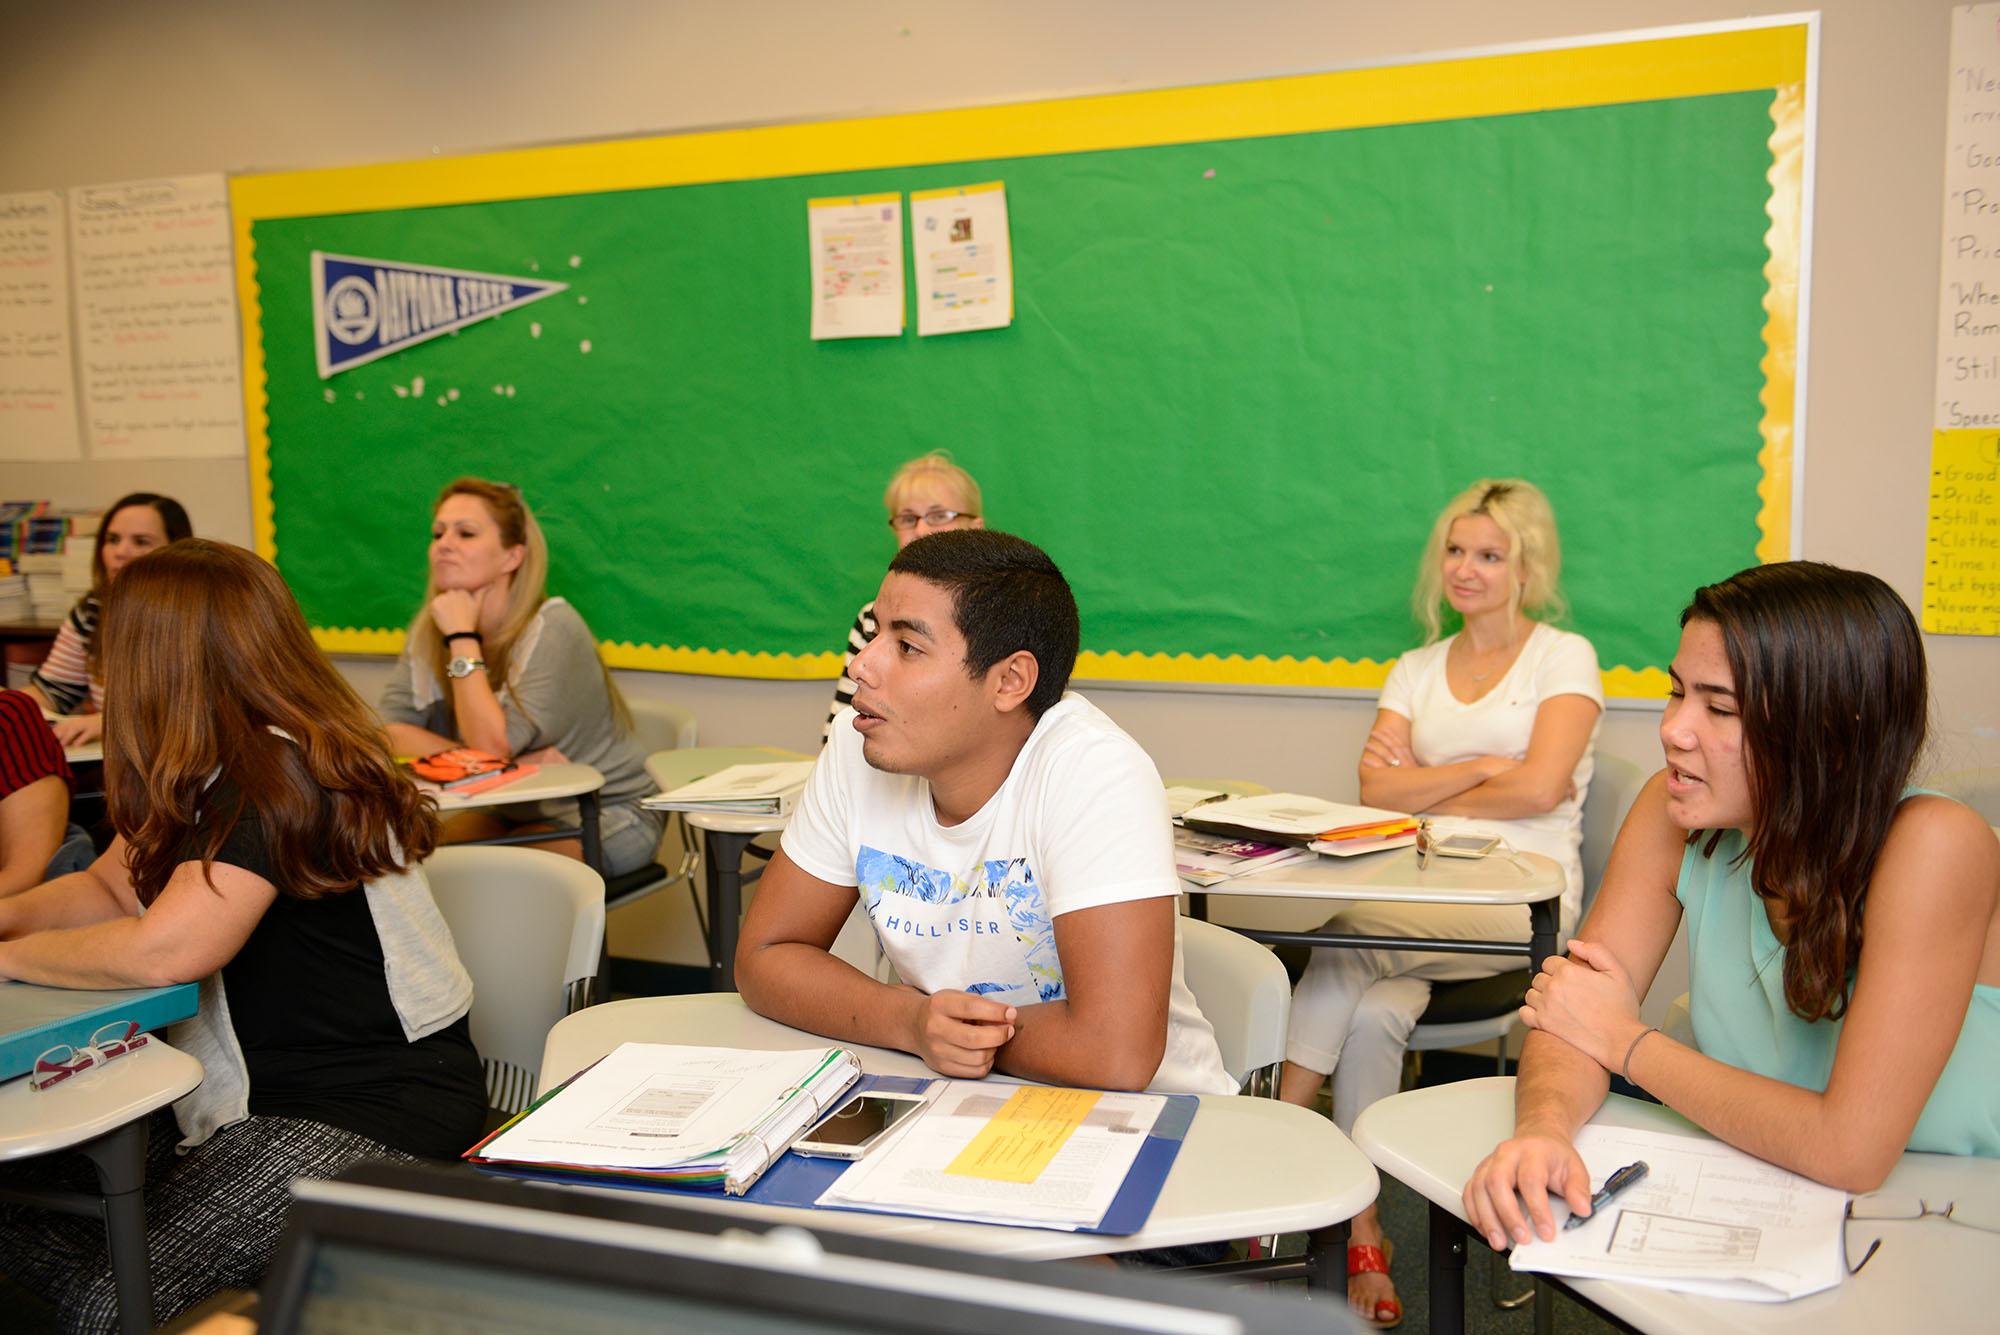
{"x": 965, "y": 264}
{"x": 857, "y": 259}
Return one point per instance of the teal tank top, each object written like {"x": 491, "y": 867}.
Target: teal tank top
{"x": 1736, "y": 1001}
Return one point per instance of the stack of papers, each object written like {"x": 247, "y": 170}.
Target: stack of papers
{"x": 1707, "y": 1218}
{"x": 999, "y": 1154}
{"x": 1338, "y": 828}
{"x": 690, "y": 1117}
{"x": 1210, "y": 859}
{"x": 750, "y": 790}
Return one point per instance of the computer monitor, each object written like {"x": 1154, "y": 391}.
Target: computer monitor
{"x": 384, "y": 1248}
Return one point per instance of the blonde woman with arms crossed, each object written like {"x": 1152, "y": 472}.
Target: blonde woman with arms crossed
{"x": 1494, "y": 723}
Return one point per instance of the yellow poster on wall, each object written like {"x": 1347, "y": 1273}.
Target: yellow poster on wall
{"x": 1962, "y": 541}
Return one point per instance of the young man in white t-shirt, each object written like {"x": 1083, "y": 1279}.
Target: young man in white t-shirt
{"x": 1011, "y": 844}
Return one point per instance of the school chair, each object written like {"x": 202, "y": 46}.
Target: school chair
{"x": 659, "y": 726}
{"x": 528, "y": 925}
{"x": 1244, "y": 991}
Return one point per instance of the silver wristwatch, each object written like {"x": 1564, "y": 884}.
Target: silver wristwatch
{"x": 463, "y": 667}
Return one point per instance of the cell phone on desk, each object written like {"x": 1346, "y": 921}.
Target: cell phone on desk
{"x": 858, "y": 1125}
{"x": 1466, "y": 845}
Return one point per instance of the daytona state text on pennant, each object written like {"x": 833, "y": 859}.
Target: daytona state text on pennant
{"x": 364, "y": 309}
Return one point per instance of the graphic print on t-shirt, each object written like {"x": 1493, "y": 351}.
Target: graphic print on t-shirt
{"x": 985, "y": 930}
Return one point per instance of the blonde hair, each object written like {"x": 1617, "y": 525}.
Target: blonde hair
{"x": 938, "y": 463}
{"x": 1523, "y": 513}
{"x": 526, "y": 591}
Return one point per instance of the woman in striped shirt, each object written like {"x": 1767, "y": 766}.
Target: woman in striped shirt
{"x": 70, "y": 680}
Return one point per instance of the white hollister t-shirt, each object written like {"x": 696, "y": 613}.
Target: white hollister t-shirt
{"x": 1081, "y": 821}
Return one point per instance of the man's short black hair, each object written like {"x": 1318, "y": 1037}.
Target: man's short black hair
{"x": 1007, "y": 595}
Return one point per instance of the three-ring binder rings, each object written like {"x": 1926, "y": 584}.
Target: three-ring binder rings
{"x": 703, "y": 1118}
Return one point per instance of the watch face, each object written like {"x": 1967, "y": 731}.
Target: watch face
{"x": 462, "y": 667}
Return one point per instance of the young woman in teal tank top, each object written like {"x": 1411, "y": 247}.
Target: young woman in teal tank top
{"x": 1782, "y": 821}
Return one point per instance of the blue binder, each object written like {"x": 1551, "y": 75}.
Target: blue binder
{"x": 798, "y": 1180}
{"x": 34, "y": 1019}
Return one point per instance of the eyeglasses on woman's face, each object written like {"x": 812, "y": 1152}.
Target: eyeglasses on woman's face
{"x": 905, "y": 520}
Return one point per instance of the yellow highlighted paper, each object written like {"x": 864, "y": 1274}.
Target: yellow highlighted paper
{"x": 1962, "y": 540}
{"x": 1028, "y": 1131}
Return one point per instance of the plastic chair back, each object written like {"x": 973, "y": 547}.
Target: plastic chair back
{"x": 1243, "y": 990}
{"x": 662, "y": 725}
{"x": 529, "y": 926}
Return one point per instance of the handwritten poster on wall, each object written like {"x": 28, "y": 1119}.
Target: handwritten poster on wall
{"x": 156, "y": 319}
{"x": 1962, "y": 539}
{"x": 37, "y": 378}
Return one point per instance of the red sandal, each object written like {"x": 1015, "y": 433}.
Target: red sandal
{"x": 1365, "y": 1260}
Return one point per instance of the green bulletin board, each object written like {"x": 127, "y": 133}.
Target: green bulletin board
{"x": 1243, "y": 375}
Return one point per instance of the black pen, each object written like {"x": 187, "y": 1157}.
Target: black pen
{"x": 1613, "y": 1185}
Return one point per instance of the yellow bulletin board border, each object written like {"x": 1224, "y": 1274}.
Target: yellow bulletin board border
{"x": 1778, "y": 53}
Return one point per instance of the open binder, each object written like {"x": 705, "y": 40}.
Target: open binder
{"x": 656, "y": 1114}
{"x": 799, "y": 1181}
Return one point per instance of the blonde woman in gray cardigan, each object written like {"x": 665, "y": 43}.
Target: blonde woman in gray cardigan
{"x": 492, "y": 663}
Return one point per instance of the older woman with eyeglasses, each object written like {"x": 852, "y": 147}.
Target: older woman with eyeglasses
{"x": 927, "y": 495}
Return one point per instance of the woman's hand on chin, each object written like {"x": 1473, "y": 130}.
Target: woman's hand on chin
{"x": 1586, "y": 1000}
{"x": 455, "y": 610}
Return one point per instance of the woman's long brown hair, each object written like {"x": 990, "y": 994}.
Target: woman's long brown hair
{"x": 1834, "y": 694}
{"x": 211, "y": 655}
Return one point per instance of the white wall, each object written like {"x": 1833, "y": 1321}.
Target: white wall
{"x": 106, "y": 91}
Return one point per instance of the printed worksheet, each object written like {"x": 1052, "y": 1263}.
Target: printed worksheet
{"x": 1706, "y": 1219}
{"x": 965, "y": 261}
{"x": 857, "y": 266}
{"x": 997, "y": 1153}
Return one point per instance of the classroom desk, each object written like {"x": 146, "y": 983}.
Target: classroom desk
{"x": 727, "y": 836}
{"x": 1249, "y": 1166}
{"x": 1393, "y": 876}
{"x": 1928, "y": 1275}
{"x": 567, "y": 779}
{"x": 102, "y": 1114}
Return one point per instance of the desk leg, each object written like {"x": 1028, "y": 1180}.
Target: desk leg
{"x": 1543, "y": 919}
{"x": 120, "y": 1157}
{"x": 1447, "y": 1273}
{"x": 1326, "y": 1262}
{"x": 725, "y": 902}
{"x": 587, "y": 809}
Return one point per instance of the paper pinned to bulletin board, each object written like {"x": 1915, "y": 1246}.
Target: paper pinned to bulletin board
{"x": 1962, "y": 540}
{"x": 965, "y": 261}
{"x": 857, "y": 266}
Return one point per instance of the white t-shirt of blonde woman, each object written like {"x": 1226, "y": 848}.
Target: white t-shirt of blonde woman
{"x": 1445, "y": 730}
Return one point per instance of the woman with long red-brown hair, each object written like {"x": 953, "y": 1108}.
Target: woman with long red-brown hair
{"x": 267, "y": 848}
